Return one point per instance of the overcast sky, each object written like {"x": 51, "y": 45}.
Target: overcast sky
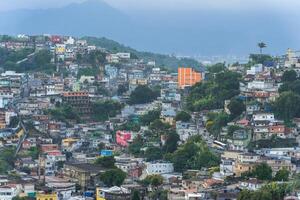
{"x": 129, "y": 5}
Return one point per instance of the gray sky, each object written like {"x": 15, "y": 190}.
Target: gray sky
{"x": 129, "y": 5}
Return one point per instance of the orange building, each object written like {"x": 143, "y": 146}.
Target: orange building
{"x": 188, "y": 77}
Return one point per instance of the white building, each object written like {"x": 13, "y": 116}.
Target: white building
{"x": 264, "y": 117}
{"x": 255, "y": 69}
{"x": 261, "y": 85}
{"x": 159, "y": 168}
{"x": 8, "y": 192}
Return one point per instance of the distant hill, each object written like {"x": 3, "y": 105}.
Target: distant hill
{"x": 168, "y": 61}
{"x": 204, "y": 32}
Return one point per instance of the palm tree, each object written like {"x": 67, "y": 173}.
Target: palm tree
{"x": 261, "y": 45}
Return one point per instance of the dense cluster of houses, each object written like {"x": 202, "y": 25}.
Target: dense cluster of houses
{"x": 61, "y": 155}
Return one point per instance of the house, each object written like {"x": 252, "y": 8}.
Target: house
{"x": 251, "y": 184}
{"x": 46, "y": 196}
{"x": 186, "y": 130}
{"x": 123, "y": 137}
{"x": 9, "y": 191}
{"x": 159, "y": 167}
{"x": 113, "y": 193}
{"x": 82, "y": 173}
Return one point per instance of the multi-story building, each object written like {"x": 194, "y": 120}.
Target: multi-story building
{"x": 80, "y": 101}
{"x": 188, "y": 77}
{"x": 159, "y": 168}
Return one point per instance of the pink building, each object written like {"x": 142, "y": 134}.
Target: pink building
{"x": 122, "y": 138}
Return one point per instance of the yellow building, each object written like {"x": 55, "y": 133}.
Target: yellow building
{"x": 46, "y": 196}
{"x": 69, "y": 142}
{"x": 99, "y": 194}
{"x": 240, "y": 168}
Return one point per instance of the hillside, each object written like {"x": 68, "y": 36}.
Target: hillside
{"x": 168, "y": 61}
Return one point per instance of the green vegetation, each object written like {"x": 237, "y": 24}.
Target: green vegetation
{"x": 273, "y": 142}
{"x": 161, "y": 60}
{"x": 216, "y": 68}
{"x": 282, "y": 175}
{"x": 64, "y": 113}
{"x": 289, "y": 76}
{"x": 113, "y": 177}
{"x": 153, "y": 153}
{"x": 155, "y": 180}
{"x": 14, "y": 121}
{"x": 6, "y": 160}
{"x": 194, "y": 154}
{"x": 8, "y": 58}
{"x": 149, "y": 117}
{"x": 183, "y": 116}
{"x": 88, "y": 71}
{"x": 122, "y": 89}
{"x": 94, "y": 58}
{"x": 143, "y": 94}
{"x": 135, "y": 195}
{"x": 102, "y": 110}
{"x": 271, "y": 191}
{"x": 287, "y": 106}
{"x": 136, "y": 145}
{"x": 261, "y": 46}
{"x": 106, "y": 161}
{"x": 216, "y": 121}
{"x": 259, "y": 59}
{"x": 262, "y": 172}
{"x": 236, "y": 108}
{"x": 212, "y": 94}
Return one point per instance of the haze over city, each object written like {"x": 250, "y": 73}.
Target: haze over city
{"x": 183, "y": 27}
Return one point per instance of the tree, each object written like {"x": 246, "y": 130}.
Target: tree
{"x": 263, "y": 172}
{"x": 153, "y": 153}
{"x": 157, "y": 126}
{"x": 271, "y": 191}
{"x": 183, "y": 116}
{"x": 102, "y": 110}
{"x": 289, "y": 76}
{"x": 155, "y": 180}
{"x": 142, "y": 94}
{"x": 172, "y": 139}
{"x": 4, "y": 167}
{"x": 194, "y": 154}
{"x": 216, "y": 68}
{"x": 122, "y": 89}
{"x": 136, "y": 145}
{"x": 261, "y": 45}
{"x": 287, "y": 106}
{"x": 282, "y": 175}
{"x": 113, "y": 177}
{"x": 14, "y": 121}
{"x": 236, "y": 107}
{"x": 101, "y": 146}
{"x": 135, "y": 195}
{"x": 106, "y": 161}
{"x": 149, "y": 117}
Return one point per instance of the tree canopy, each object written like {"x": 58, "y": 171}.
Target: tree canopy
{"x": 102, "y": 110}
{"x": 142, "y": 94}
{"x": 212, "y": 93}
{"x": 113, "y": 177}
{"x": 236, "y": 107}
{"x": 194, "y": 154}
{"x": 183, "y": 116}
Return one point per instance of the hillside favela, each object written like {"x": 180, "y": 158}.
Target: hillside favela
{"x": 125, "y": 100}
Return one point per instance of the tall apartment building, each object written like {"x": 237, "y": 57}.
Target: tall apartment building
{"x": 80, "y": 101}
{"x": 188, "y": 77}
